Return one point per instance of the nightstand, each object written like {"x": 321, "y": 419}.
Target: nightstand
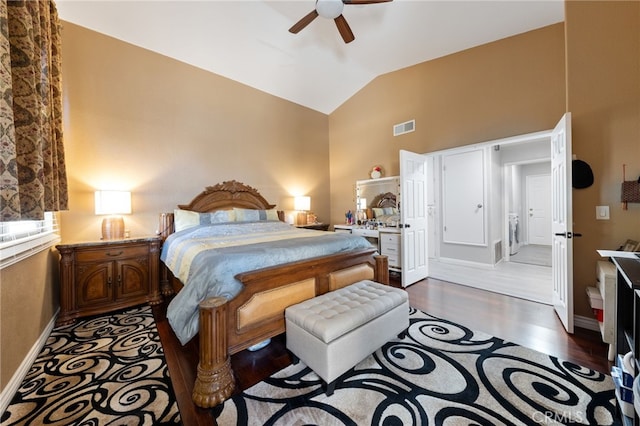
{"x": 316, "y": 226}
{"x": 103, "y": 276}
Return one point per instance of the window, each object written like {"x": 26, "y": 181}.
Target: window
{"x": 19, "y": 240}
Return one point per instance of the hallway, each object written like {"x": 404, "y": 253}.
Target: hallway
{"x": 533, "y": 254}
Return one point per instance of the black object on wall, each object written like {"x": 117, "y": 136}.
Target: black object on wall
{"x": 581, "y": 174}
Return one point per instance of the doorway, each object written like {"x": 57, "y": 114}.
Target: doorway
{"x": 506, "y": 262}
{"x": 528, "y": 197}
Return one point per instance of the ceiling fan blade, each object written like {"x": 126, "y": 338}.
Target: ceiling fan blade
{"x": 344, "y": 29}
{"x": 306, "y": 20}
{"x": 364, "y": 1}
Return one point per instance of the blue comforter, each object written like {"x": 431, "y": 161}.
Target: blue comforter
{"x": 207, "y": 258}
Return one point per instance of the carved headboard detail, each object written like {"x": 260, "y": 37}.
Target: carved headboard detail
{"x": 227, "y": 195}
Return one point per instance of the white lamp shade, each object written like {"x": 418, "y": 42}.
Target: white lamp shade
{"x": 113, "y": 202}
{"x": 302, "y": 203}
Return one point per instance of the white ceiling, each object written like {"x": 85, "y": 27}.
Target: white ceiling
{"x": 248, "y": 40}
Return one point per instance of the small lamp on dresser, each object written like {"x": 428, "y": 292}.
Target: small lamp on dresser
{"x": 302, "y": 204}
{"x": 114, "y": 204}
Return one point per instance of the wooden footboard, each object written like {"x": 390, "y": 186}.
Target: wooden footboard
{"x": 257, "y": 313}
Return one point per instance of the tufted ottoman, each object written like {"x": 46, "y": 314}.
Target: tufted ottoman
{"x": 333, "y": 332}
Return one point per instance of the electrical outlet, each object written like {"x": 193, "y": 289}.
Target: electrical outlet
{"x": 602, "y": 212}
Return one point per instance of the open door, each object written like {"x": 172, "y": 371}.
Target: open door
{"x": 561, "y": 222}
{"x": 413, "y": 217}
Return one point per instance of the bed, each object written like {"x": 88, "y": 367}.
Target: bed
{"x": 251, "y": 309}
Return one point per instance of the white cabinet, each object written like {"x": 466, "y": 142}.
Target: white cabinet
{"x": 390, "y": 246}
{"x": 603, "y": 298}
{"x": 370, "y": 234}
{"x": 343, "y": 228}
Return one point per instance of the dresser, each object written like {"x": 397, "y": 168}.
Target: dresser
{"x": 391, "y": 246}
{"x": 103, "y": 276}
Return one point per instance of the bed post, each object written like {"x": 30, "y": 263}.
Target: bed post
{"x": 214, "y": 382}
{"x": 381, "y": 272}
{"x": 166, "y": 227}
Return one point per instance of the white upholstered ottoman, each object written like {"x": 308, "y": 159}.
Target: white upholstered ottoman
{"x": 331, "y": 333}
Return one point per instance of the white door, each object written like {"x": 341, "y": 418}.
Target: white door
{"x": 413, "y": 217}
{"x": 561, "y": 222}
{"x": 463, "y": 193}
{"x": 538, "y": 209}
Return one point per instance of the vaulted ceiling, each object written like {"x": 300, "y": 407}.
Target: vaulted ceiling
{"x": 248, "y": 40}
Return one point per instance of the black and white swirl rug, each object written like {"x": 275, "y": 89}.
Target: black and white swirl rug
{"x": 104, "y": 370}
{"x": 439, "y": 374}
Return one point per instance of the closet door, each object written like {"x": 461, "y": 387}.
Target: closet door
{"x": 463, "y": 192}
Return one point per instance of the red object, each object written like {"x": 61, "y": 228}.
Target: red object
{"x": 599, "y": 314}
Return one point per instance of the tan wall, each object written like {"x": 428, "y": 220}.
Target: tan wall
{"x": 28, "y": 301}
{"x": 509, "y": 87}
{"x": 603, "y": 74}
{"x": 165, "y": 130}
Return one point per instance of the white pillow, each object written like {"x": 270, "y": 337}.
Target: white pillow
{"x": 250, "y": 215}
{"x": 185, "y": 219}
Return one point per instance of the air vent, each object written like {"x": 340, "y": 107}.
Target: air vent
{"x": 406, "y": 127}
{"x": 497, "y": 251}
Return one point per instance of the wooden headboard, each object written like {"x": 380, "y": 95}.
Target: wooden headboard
{"x": 225, "y": 196}
{"x": 222, "y": 196}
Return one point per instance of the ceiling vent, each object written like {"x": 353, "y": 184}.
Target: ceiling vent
{"x": 406, "y": 127}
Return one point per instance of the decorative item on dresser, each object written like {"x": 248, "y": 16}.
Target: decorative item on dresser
{"x": 376, "y": 172}
{"x": 103, "y": 276}
{"x": 235, "y": 321}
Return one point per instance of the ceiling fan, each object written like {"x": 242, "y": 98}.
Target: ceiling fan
{"x": 332, "y": 9}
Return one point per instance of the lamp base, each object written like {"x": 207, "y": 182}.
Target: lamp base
{"x": 301, "y": 218}
{"x": 113, "y": 228}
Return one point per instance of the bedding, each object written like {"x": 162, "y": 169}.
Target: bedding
{"x": 206, "y": 259}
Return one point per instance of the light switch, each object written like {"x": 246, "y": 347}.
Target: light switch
{"x": 602, "y": 212}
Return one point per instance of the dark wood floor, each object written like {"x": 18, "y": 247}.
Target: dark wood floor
{"x": 529, "y": 324}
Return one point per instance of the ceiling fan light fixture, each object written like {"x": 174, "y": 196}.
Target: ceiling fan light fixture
{"x": 329, "y": 9}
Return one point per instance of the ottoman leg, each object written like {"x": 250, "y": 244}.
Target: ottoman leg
{"x": 331, "y": 387}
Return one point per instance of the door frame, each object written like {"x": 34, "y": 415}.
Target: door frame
{"x": 565, "y": 313}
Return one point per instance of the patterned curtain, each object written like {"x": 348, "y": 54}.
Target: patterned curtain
{"x": 33, "y": 177}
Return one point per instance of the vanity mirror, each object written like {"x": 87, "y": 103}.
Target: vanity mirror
{"x": 377, "y": 201}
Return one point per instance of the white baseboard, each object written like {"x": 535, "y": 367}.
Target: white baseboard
{"x": 461, "y": 262}
{"x": 14, "y": 384}
{"x": 586, "y": 323}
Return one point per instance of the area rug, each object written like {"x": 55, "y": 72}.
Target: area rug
{"x": 104, "y": 370}
{"x": 441, "y": 373}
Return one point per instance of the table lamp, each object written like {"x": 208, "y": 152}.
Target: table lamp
{"x": 302, "y": 204}
{"x": 114, "y": 204}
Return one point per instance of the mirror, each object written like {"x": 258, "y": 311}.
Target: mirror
{"x": 377, "y": 201}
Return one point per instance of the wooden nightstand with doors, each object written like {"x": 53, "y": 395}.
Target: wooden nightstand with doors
{"x": 103, "y": 276}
